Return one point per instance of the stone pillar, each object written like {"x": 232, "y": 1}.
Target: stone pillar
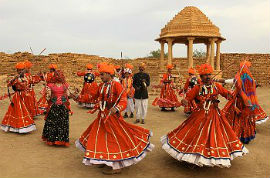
{"x": 212, "y": 52}
{"x": 207, "y": 52}
{"x": 161, "y": 62}
{"x": 170, "y": 55}
{"x": 190, "y": 51}
{"x": 218, "y": 54}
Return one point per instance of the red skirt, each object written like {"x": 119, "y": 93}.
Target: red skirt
{"x": 17, "y": 118}
{"x": 190, "y": 107}
{"x": 241, "y": 119}
{"x": 260, "y": 115}
{"x": 42, "y": 103}
{"x": 87, "y": 96}
{"x": 204, "y": 139}
{"x": 31, "y": 103}
{"x": 167, "y": 99}
{"x": 115, "y": 143}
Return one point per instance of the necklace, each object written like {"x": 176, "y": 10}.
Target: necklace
{"x": 102, "y": 106}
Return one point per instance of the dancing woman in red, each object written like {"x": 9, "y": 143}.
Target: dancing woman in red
{"x": 30, "y": 100}
{"x": 56, "y": 127}
{"x": 90, "y": 87}
{"x": 244, "y": 110}
{"x": 42, "y": 102}
{"x": 168, "y": 98}
{"x": 109, "y": 140}
{"x": 205, "y": 138}
{"x": 18, "y": 118}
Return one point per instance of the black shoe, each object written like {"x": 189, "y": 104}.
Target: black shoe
{"x": 172, "y": 109}
{"x": 137, "y": 121}
{"x": 131, "y": 115}
{"x": 142, "y": 122}
{"x": 163, "y": 109}
{"x": 125, "y": 115}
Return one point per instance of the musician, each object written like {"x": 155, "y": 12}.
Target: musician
{"x": 90, "y": 86}
{"x": 141, "y": 81}
{"x": 191, "y": 82}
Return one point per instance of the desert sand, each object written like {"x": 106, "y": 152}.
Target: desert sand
{"x": 25, "y": 155}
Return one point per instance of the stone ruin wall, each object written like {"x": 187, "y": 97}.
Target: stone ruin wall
{"x": 70, "y": 63}
{"x": 260, "y": 68}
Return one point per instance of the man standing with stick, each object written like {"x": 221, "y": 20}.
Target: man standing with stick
{"x": 141, "y": 81}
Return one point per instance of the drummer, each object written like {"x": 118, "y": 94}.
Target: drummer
{"x": 90, "y": 88}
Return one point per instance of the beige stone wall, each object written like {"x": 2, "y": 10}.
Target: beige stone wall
{"x": 260, "y": 66}
{"x": 70, "y": 63}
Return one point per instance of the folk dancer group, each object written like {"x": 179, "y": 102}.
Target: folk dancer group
{"x": 210, "y": 136}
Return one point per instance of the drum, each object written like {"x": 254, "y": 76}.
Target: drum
{"x": 89, "y": 78}
{"x": 193, "y": 82}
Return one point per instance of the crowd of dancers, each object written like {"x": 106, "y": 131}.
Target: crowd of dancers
{"x": 210, "y": 136}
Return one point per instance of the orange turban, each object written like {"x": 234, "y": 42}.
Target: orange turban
{"x": 191, "y": 71}
{"x": 205, "y": 69}
{"x": 142, "y": 64}
{"x": 117, "y": 67}
{"x": 169, "y": 66}
{"x": 106, "y": 68}
{"x": 100, "y": 64}
{"x": 129, "y": 66}
{"x": 28, "y": 64}
{"x": 52, "y": 66}
{"x": 246, "y": 63}
{"x": 89, "y": 66}
{"x": 20, "y": 65}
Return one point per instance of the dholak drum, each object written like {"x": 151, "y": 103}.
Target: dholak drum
{"x": 193, "y": 82}
{"x": 89, "y": 77}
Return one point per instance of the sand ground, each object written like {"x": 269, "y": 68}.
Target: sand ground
{"x": 25, "y": 155}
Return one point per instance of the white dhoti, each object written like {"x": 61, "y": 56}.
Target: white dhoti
{"x": 141, "y": 108}
{"x": 130, "y": 105}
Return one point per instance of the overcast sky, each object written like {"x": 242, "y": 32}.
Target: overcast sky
{"x": 106, "y": 27}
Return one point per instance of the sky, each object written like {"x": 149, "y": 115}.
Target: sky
{"x": 107, "y": 27}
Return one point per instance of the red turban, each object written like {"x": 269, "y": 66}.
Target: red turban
{"x": 117, "y": 67}
{"x": 205, "y": 69}
{"x": 191, "y": 71}
{"x": 129, "y": 66}
{"x": 89, "y": 66}
{"x": 106, "y": 68}
{"x": 20, "y": 65}
{"x": 169, "y": 66}
{"x": 28, "y": 64}
{"x": 52, "y": 66}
